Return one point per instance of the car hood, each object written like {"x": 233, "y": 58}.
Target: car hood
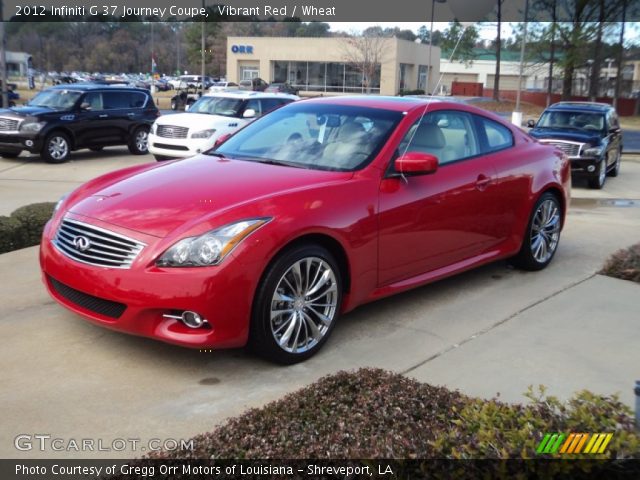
{"x": 158, "y": 200}
{"x": 570, "y": 135}
{"x": 194, "y": 120}
{"x": 25, "y": 111}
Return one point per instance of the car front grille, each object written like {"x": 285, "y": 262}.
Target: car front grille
{"x": 572, "y": 149}
{"x": 96, "y": 246}
{"x": 168, "y": 146}
{"x": 8, "y": 125}
{"x": 99, "y": 305}
{"x": 172, "y": 131}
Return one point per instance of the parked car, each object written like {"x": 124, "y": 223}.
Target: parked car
{"x": 255, "y": 84}
{"x": 163, "y": 85}
{"x": 191, "y": 81}
{"x": 282, "y": 88}
{"x": 301, "y": 216}
{"x": 223, "y": 86}
{"x": 69, "y": 117}
{"x": 212, "y": 116}
{"x": 185, "y": 97}
{"x": 589, "y": 133}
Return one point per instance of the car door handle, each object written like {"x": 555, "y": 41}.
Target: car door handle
{"x": 130, "y": 114}
{"x": 482, "y": 182}
{"x": 103, "y": 116}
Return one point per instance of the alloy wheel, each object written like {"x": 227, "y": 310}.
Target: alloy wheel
{"x": 304, "y": 305}
{"x": 142, "y": 140}
{"x": 58, "y": 148}
{"x": 545, "y": 231}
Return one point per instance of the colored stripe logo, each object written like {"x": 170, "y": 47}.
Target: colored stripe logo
{"x": 592, "y": 443}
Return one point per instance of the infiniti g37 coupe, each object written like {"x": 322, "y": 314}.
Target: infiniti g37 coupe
{"x": 306, "y": 213}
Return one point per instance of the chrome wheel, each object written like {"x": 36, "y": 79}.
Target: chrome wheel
{"x": 545, "y": 231}
{"x": 304, "y": 305}
{"x": 58, "y": 148}
{"x": 142, "y": 140}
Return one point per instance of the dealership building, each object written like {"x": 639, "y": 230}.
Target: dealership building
{"x": 329, "y": 65}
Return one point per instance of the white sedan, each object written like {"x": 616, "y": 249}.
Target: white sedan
{"x": 187, "y": 134}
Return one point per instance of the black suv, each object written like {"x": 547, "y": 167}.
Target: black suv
{"x": 69, "y": 117}
{"x": 589, "y": 133}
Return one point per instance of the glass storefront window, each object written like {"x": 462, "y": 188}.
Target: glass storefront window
{"x": 325, "y": 77}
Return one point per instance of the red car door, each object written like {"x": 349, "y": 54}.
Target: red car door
{"x": 433, "y": 221}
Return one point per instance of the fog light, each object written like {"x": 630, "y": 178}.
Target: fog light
{"x": 591, "y": 168}
{"x": 192, "y": 319}
{"x": 29, "y": 143}
{"x": 189, "y": 318}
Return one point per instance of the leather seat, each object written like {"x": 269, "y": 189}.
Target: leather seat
{"x": 430, "y": 139}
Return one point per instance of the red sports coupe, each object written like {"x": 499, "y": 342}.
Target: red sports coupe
{"x": 308, "y": 212}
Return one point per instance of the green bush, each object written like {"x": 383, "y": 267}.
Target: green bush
{"x": 371, "y": 413}
{"x": 24, "y": 227}
{"x": 10, "y": 234}
{"x": 624, "y": 264}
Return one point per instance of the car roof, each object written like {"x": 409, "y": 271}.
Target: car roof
{"x": 86, "y": 87}
{"x": 246, "y": 94}
{"x": 592, "y": 107}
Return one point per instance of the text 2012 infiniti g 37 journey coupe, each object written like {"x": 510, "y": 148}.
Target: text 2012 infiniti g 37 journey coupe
{"x": 305, "y": 214}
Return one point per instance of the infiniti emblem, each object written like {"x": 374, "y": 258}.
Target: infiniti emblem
{"x": 82, "y": 243}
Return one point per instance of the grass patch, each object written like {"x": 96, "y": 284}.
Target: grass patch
{"x": 371, "y": 413}
{"x": 624, "y": 264}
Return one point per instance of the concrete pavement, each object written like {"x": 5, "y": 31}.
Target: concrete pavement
{"x": 491, "y": 330}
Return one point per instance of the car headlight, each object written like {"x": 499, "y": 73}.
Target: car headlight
{"x": 592, "y": 151}
{"x": 203, "y": 133}
{"x": 210, "y": 248}
{"x": 32, "y": 127}
{"x": 57, "y": 207}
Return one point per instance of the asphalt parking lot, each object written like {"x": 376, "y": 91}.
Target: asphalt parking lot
{"x": 493, "y": 330}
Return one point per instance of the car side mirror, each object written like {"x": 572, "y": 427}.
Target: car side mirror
{"x": 85, "y": 106}
{"x": 416, "y": 163}
{"x": 531, "y": 123}
{"x": 249, "y": 113}
{"x": 221, "y": 139}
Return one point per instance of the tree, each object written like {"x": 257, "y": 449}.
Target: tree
{"x": 365, "y": 53}
{"x": 459, "y": 42}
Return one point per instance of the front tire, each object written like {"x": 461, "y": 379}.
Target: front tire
{"x": 615, "y": 171}
{"x": 56, "y": 148}
{"x": 542, "y": 235}
{"x": 139, "y": 141}
{"x": 597, "y": 182}
{"x": 297, "y": 305}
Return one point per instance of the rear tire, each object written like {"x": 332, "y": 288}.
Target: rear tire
{"x": 297, "y": 305}
{"x": 174, "y": 105}
{"x": 542, "y": 235}
{"x": 139, "y": 141}
{"x": 56, "y": 148}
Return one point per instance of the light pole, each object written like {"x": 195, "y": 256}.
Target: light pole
{"x": 202, "y": 48}
{"x": 3, "y": 63}
{"x": 433, "y": 7}
{"x": 521, "y": 72}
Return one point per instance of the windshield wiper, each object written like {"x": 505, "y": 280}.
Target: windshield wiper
{"x": 283, "y": 163}
{"x": 215, "y": 154}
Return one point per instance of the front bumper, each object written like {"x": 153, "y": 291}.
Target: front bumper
{"x": 585, "y": 166}
{"x": 179, "y": 147}
{"x": 222, "y": 294}
{"x": 21, "y": 141}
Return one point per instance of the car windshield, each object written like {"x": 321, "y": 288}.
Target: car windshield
{"x": 227, "y": 107}
{"x": 323, "y": 137}
{"x": 57, "y": 99}
{"x": 570, "y": 119}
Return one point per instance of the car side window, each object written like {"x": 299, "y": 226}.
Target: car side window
{"x": 448, "y": 135}
{"x": 94, "y": 99}
{"x": 498, "y": 137}
{"x": 136, "y": 99}
{"x": 115, "y": 100}
{"x": 255, "y": 105}
{"x": 269, "y": 104}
